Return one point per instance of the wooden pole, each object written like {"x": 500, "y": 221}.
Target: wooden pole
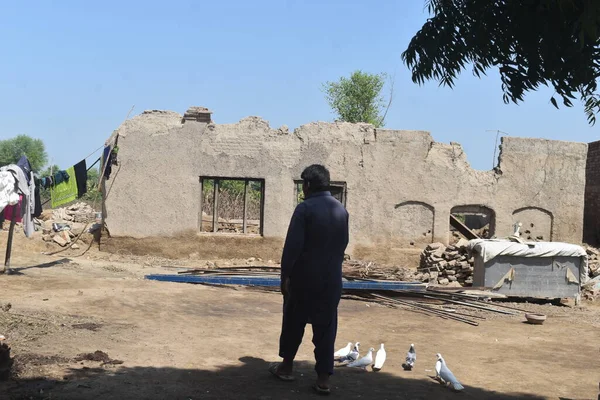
{"x": 245, "y": 217}
{"x": 201, "y": 204}
{"x": 11, "y": 231}
{"x": 261, "y": 216}
{"x": 108, "y": 160}
{"x": 9, "y": 243}
{"x": 215, "y": 205}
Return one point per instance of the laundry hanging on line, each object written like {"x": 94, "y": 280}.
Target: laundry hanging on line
{"x": 20, "y": 189}
{"x": 8, "y": 189}
{"x": 17, "y": 187}
{"x": 37, "y": 209}
{"x": 55, "y": 179}
{"x": 109, "y": 158}
{"x": 25, "y": 165}
{"x": 73, "y": 187}
{"x": 81, "y": 177}
{"x": 65, "y": 191}
{"x": 14, "y": 209}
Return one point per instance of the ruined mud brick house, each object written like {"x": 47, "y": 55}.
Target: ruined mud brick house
{"x": 400, "y": 187}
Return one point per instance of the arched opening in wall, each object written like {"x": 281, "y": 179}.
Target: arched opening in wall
{"x": 479, "y": 220}
{"x": 537, "y": 223}
{"x": 412, "y": 223}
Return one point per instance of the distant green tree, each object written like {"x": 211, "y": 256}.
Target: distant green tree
{"x": 233, "y": 186}
{"x": 92, "y": 194}
{"x": 12, "y": 149}
{"x": 358, "y": 98}
{"x": 50, "y": 170}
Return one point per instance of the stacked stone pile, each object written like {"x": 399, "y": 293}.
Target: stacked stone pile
{"x": 591, "y": 290}
{"x": 447, "y": 265}
{"x": 593, "y": 261}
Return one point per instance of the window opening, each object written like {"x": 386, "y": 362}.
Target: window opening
{"x": 232, "y": 205}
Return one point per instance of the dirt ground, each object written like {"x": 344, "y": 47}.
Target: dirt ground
{"x": 181, "y": 341}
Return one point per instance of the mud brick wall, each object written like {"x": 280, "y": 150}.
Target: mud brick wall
{"x": 400, "y": 185}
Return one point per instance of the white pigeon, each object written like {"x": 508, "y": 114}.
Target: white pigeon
{"x": 445, "y": 375}
{"x": 353, "y": 355}
{"x": 411, "y": 358}
{"x": 379, "y": 359}
{"x": 364, "y": 362}
{"x": 343, "y": 352}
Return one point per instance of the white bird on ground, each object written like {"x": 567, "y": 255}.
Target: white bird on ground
{"x": 411, "y": 358}
{"x": 379, "y": 359}
{"x": 364, "y": 362}
{"x": 343, "y": 352}
{"x": 353, "y": 355}
{"x": 445, "y": 375}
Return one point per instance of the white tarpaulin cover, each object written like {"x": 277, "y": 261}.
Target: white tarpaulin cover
{"x": 488, "y": 249}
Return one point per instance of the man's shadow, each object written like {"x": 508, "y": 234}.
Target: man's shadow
{"x": 251, "y": 380}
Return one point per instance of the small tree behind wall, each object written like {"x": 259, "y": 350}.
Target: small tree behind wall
{"x": 358, "y": 98}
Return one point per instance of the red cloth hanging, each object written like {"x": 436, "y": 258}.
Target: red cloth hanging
{"x": 9, "y": 210}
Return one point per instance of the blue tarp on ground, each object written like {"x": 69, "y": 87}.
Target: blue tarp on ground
{"x": 274, "y": 281}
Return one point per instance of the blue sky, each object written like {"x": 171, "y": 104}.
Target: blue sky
{"x": 71, "y": 70}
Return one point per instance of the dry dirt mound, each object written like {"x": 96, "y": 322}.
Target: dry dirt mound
{"x": 190, "y": 245}
{"x": 97, "y": 356}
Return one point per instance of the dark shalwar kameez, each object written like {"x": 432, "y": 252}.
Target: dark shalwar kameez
{"x": 312, "y": 258}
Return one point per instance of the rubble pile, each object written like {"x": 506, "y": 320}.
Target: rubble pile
{"x": 78, "y": 212}
{"x": 62, "y": 225}
{"x": 447, "y": 265}
{"x": 370, "y": 270}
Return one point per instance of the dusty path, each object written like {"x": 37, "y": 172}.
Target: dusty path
{"x": 181, "y": 341}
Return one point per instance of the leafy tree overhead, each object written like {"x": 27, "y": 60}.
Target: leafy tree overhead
{"x": 12, "y": 149}
{"x": 358, "y": 98}
{"x": 533, "y": 43}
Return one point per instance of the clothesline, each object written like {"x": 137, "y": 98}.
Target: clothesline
{"x": 111, "y": 146}
{"x": 94, "y": 152}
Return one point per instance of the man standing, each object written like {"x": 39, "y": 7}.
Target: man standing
{"x": 311, "y": 276}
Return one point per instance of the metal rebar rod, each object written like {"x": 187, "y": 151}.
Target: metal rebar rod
{"x": 433, "y": 311}
{"x": 473, "y": 305}
{"x": 440, "y": 313}
{"x": 472, "y": 299}
{"x": 464, "y": 314}
{"x": 503, "y": 306}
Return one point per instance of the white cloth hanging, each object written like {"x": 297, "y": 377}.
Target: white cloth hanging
{"x": 19, "y": 178}
{"x": 8, "y": 195}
